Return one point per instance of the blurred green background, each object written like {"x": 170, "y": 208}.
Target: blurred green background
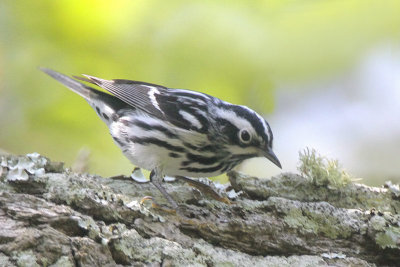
{"x": 240, "y": 51}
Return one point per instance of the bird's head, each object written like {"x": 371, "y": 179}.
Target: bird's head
{"x": 247, "y": 133}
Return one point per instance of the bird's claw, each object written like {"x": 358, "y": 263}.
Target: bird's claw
{"x": 157, "y": 206}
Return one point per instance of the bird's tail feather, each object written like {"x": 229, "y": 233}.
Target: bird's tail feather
{"x": 78, "y": 87}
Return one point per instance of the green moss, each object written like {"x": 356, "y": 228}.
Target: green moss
{"x": 321, "y": 170}
{"x": 295, "y": 219}
{"x": 306, "y": 221}
{"x": 311, "y": 224}
{"x": 390, "y": 238}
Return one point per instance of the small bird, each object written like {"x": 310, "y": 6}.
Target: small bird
{"x": 175, "y": 132}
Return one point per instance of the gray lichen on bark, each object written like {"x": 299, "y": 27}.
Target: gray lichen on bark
{"x": 50, "y": 216}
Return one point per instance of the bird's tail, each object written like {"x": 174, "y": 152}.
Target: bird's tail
{"x": 78, "y": 87}
{"x": 105, "y": 105}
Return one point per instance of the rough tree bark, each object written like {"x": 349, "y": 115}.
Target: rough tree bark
{"x": 50, "y": 216}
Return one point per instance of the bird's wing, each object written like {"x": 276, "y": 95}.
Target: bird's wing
{"x": 183, "y": 108}
{"x": 137, "y": 94}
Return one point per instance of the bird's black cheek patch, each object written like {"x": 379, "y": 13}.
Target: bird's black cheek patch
{"x": 229, "y": 130}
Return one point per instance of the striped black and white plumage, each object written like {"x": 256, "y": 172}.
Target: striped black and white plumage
{"x": 175, "y": 132}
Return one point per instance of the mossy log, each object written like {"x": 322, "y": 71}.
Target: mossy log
{"x": 50, "y": 216}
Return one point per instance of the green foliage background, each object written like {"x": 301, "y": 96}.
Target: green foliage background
{"x": 235, "y": 50}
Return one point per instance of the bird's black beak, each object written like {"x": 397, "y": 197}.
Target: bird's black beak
{"x": 269, "y": 154}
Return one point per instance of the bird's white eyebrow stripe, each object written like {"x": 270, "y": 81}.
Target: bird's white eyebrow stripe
{"x": 239, "y": 121}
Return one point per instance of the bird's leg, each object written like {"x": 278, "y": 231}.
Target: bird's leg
{"x": 156, "y": 179}
{"x": 138, "y": 177}
{"x": 204, "y": 188}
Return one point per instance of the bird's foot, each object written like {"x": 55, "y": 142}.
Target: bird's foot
{"x": 157, "y": 206}
{"x": 205, "y": 189}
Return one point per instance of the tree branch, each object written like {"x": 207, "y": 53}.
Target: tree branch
{"x": 49, "y": 215}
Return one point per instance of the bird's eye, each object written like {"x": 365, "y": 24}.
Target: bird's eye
{"x": 244, "y": 136}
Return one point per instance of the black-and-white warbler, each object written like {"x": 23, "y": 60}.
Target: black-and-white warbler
{"x": 175, "y": 132}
